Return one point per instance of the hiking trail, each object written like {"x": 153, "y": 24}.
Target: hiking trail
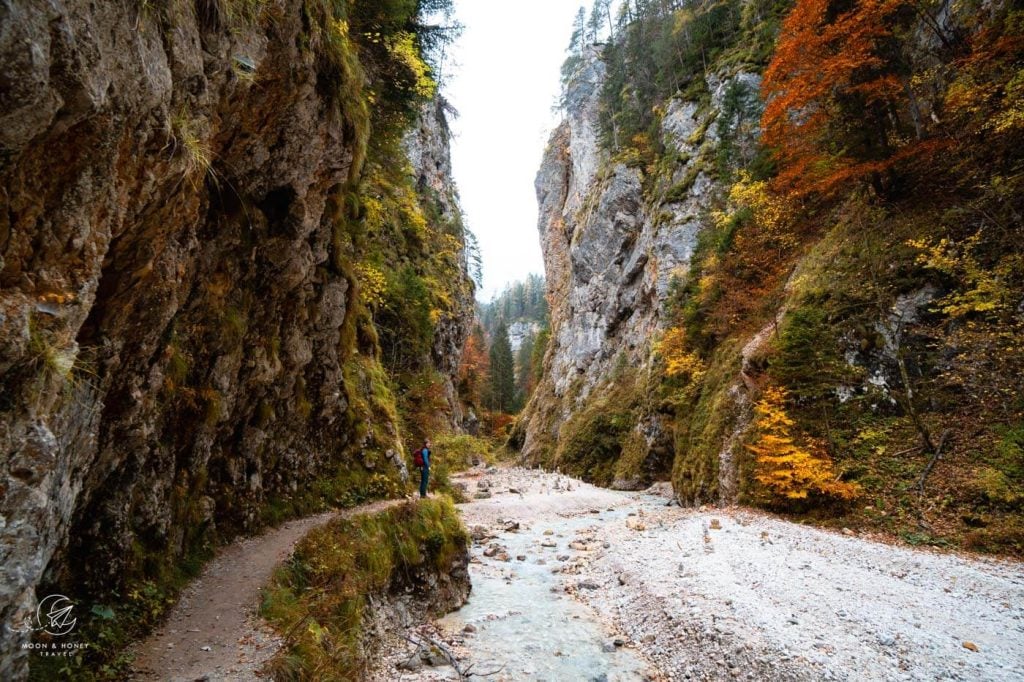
{"x": 214, "y": 632}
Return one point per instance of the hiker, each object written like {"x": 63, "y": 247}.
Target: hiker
{"x": 421, "y": 458}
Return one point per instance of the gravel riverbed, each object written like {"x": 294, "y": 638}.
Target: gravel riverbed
{"x": 636, "y": 589}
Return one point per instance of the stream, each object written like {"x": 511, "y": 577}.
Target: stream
{"x": 574, "y": 582}
{"x": 525, "y": 622}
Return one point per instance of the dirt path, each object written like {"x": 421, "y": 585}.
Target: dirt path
{"x": 214, "y": 632}
{"x": 717, "y": 594}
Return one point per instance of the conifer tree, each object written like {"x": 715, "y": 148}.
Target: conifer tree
{"x": 524, "y": 383}
{"x": 787, "y": 469}
{"x": 502, "y": 391}
{"x": 579, "y": 33}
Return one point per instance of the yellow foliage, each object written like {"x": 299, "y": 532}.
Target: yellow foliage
{"x": 1011, "y": 118}
{"x": 402, "y": 47}
{"x": 789, "y": 470}
{"x": 679, "y": 361}
{"x": 372, "y": 285}
{"x": 770, "y": 211}
{"x": 982, "y": 290}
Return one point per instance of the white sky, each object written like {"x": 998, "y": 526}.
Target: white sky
{"x": 503, "y": 78}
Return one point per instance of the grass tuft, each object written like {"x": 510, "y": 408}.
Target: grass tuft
{"x": 319, "y": 599}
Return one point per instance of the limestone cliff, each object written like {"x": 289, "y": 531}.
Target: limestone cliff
{"x": 613, "y": 246}
{"x": 727, "y": 303}
{"x": 185, "y": 347}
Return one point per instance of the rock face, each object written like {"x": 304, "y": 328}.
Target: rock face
{"x": 179, "y": 331}
{"x": 613, "y": 246}
{"x": 427, "y": 145}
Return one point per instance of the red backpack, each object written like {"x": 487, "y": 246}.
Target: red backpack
{"x": 417, "y": 459}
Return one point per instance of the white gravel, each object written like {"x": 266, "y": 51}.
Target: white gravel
{"x": 734, "y": 594}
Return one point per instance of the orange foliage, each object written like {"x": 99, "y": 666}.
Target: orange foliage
{"x": 828, "y": 88}
{"x": 765, "y": 238}
{"x": 498, "y": 424}
{"x": 474, "y": 367}
{"x": 788, "y": 470}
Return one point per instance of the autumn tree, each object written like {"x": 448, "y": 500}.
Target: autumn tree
{"x": 680, "y": 360}
{"x": 788, "y": 469}
{"x": 831, "y": 89}
{"x": 474, "y": 367}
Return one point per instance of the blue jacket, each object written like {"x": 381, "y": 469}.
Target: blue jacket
{"x": 426, "y": 458}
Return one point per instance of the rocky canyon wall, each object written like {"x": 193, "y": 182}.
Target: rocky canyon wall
{"x": 802, "y": 318}
{"x": 185, "y": 348}
{"x": 614, "y": 245}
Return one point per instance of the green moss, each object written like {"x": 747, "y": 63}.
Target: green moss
{"x": 178, "y": 366}
{"x": 680, "y": 191}
{"x": 703, "y": 429}
{"x": 234, "y": 326}
{"x": 634, "y": 454}
{"x": 372, "y": 409}
{"x": 265, "y": 414}
{"x": 357, "y": 558}
{"x": 598, "y": 442}
{"x": 213, "y": 411}
{"x": 349, "y": 484}
{"x": 303, "y": 406}
{"x": 462, "y": 451}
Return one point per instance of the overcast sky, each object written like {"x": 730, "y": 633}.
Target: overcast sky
{"x": 503, "y": 78}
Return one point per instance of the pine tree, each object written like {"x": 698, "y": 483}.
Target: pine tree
{"x": 502, "y": 385}
{"x": 524, "y": 384}
{"x": 599, "y": 16}
{"x": 579, "y": 33}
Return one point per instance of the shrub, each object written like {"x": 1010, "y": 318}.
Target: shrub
{"x": 463, "y": 451}
{"x": 788, "y": 470}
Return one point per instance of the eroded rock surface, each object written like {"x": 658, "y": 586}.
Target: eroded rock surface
{"x": 613, "y": 244}
{"x": 178, "y": 340}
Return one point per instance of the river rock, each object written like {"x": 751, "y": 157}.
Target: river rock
{"x": 479, "y": 533}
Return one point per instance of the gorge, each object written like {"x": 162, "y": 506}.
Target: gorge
{"x": 783, "y": 282}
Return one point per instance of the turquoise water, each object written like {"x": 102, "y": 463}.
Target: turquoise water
{"x": 527, "y": 625}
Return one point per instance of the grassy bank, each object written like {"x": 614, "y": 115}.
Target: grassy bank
{"x": 318, "y": 600}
